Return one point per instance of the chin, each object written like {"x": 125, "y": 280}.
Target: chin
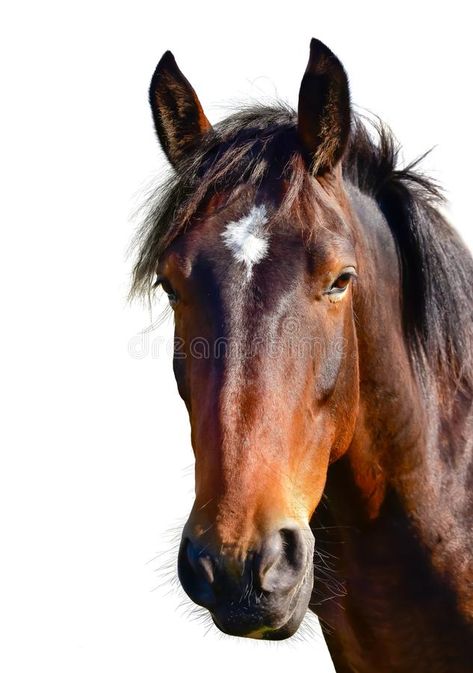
{"x": 261, "y": 619}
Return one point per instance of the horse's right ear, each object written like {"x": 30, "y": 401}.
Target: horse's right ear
{"x": 178, "y": 115}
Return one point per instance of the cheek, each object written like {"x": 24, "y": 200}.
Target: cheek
{"x": 196, "y": 368}
{"x": 345, "y": 400}
{"x": 181, "y": 359}
{"x": 336, "y": 378}
{"x": 179, "y": 368}
{"x": 329, "y": 367}
{"x": 332, "y": 345}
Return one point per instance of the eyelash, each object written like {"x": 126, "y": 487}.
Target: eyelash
{"x": 167, "y": 288}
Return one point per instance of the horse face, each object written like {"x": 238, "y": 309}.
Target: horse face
{"x": 266, "y": 358}
{"x": 266, "y": 362}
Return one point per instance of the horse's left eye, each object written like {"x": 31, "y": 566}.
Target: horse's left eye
{"x": 339, "y": 286}
{"x": 342, "y": 281}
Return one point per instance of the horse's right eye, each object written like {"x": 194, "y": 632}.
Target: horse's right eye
{"x": 168, "y": 289}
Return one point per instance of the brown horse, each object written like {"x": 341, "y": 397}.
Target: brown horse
{"x": 323, "y": 319}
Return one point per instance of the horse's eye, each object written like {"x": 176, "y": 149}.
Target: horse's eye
{"x": 168, "y": 289}
{"x": 339, "y": 286}
{"x": 342, "y": 281}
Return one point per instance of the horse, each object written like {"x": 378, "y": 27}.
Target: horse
{"x": 323, "y": 348}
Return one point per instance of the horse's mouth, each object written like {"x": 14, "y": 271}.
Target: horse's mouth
{"x": 267, "y": 623}
{"x": 264, "y": 632}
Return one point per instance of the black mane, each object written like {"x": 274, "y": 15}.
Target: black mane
{"x": 436, "y": 266}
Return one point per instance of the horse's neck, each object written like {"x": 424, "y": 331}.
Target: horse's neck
{"x": 394, "y": 548}
{"x": 410, "y": 451}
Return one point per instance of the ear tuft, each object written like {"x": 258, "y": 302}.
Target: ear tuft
{"x": 324, "y": 109}
{"x": 178, "y": 115}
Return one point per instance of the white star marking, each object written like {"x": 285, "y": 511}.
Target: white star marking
{"x": 247, "y": 239}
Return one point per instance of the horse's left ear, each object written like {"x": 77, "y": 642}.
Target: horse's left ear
{"x": 178, "y": 115}
{"x": 324, "y": 109}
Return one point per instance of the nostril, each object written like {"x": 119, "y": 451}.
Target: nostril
{"x": 270, "y": 556}
{"x": 201, "y": 563}
{"x": 206, "y": 567}
{"x": 283, "y": 559}
{"x": 196, "y": 573}
{"x": 293, "y": 547}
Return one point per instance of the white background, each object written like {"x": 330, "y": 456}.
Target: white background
{"x": 95, "y": 464}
